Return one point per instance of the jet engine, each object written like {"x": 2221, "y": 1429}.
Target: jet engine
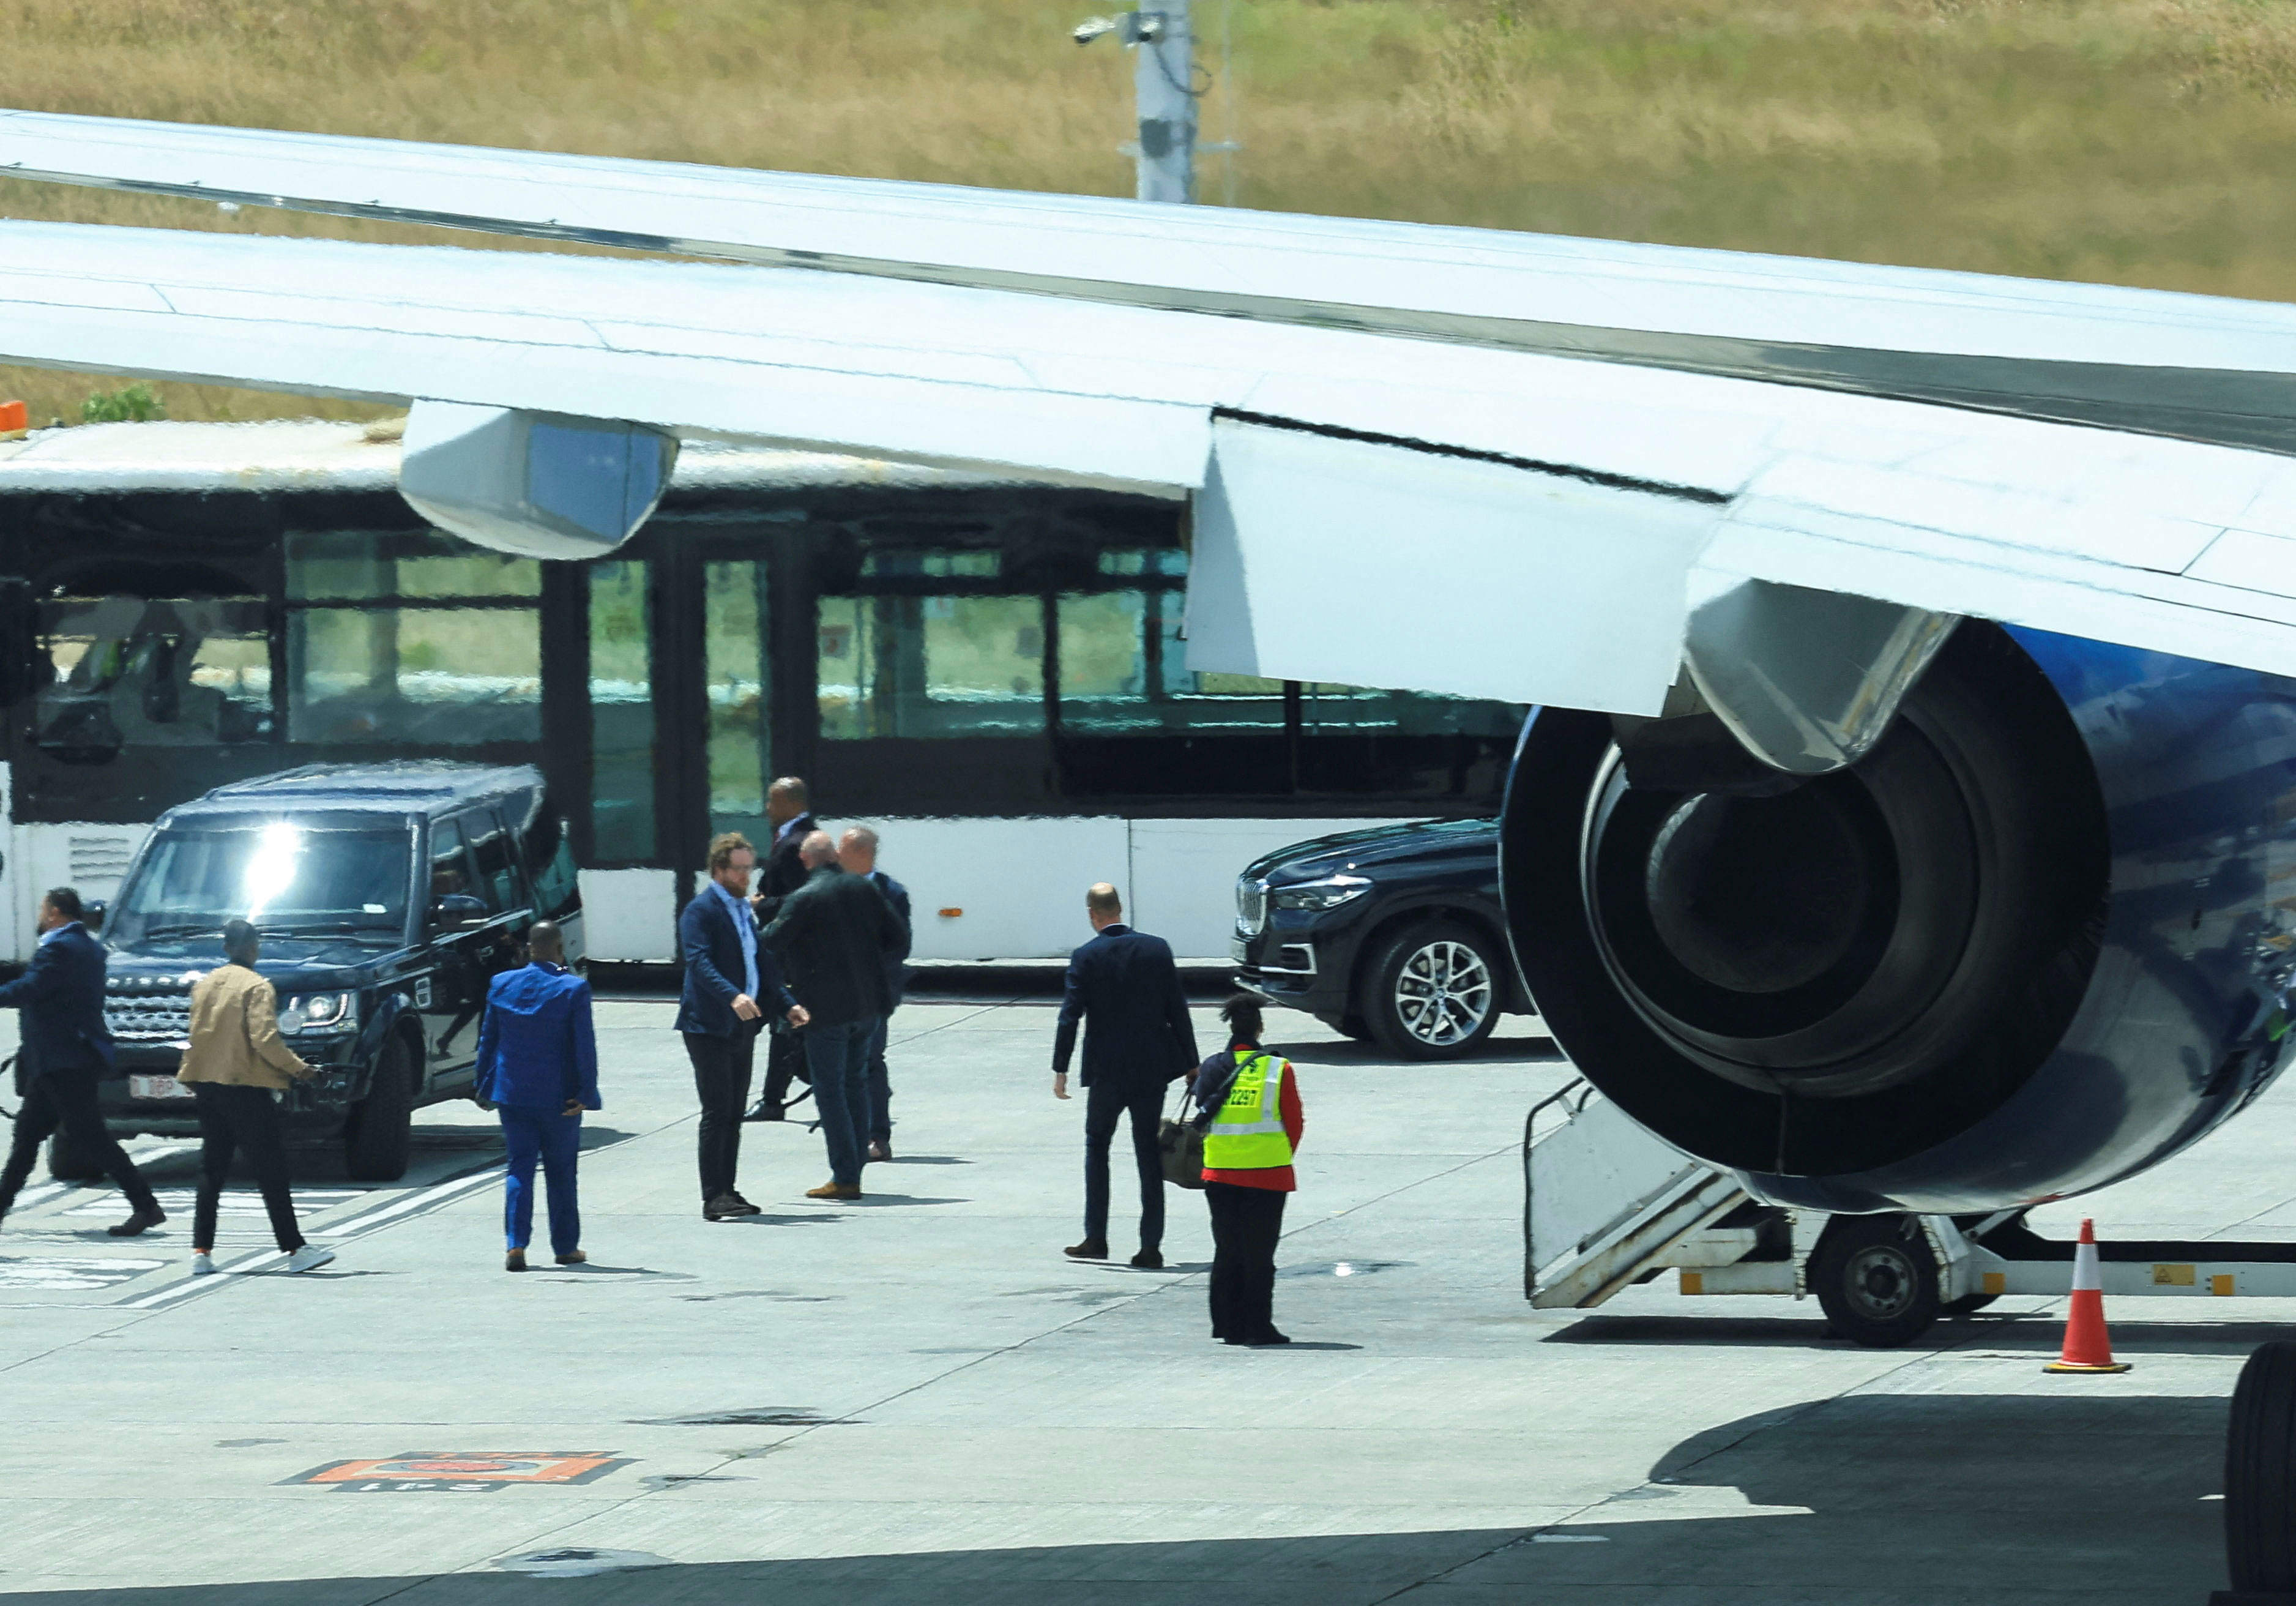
{"x": 2037, "y": 937}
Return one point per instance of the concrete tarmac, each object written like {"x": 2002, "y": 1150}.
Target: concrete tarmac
{"x": 915, "y": 1398}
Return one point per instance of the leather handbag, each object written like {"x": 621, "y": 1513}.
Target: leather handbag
{"x": 1180, "y": 1144}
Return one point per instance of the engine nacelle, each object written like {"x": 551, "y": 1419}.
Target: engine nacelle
{"x": 2038, "y": 938}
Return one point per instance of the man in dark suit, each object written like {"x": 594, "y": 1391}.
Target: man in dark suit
{"x": 64, "y": 1053}
{"x": 783, "y": 871}
{"x": 719, "y": 1013}
{"x": 1125, "y": 989}
{"x": 836, "y": 934}
{"x": 857, "y": 850}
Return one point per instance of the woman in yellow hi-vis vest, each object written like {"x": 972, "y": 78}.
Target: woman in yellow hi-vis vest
{"x": 1253, "y": 1100}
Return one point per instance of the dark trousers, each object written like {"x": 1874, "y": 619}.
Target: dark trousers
{"x": 784, "y": 1062}
{"x": 555, "y": 1140}
{"x": 66, "y": 1099}
{"x": 1247, "y": 1224}
{"x": 235, "y": 1119}
{"x": 1105, "y": 1104}
{"x": 880, "y": 1089}
{"x": 721, "y": 1081}
{"x": 838, "y": 1056}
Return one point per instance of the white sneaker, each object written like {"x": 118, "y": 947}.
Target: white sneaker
{"x": 310, "y": 1257}
{"x": 202, "y": 1266}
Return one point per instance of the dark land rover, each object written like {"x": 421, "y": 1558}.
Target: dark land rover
{"x": 1392, "y": 934}
{"x": 388, "y": 897}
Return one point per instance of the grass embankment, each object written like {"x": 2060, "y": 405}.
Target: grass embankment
{"x": 2141, "y": 142}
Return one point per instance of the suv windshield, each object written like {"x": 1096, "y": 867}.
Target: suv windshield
{"x": 288, "y": 879}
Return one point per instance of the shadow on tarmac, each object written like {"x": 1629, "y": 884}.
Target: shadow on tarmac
{"x": 1872, "y": 1499}
{"x": 1343, "y": 1053}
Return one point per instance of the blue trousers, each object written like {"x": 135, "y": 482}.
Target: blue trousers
{"x": 555, "y": 1139}
{"x": 838, "y": 1056}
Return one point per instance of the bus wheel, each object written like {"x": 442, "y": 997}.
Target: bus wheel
{"x": 2259, "y": 1487}
{"x": 1875, "y": 1279}
{"x": 375, "y": 1139}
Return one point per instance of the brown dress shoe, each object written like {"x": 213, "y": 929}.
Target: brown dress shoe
{"x": 572, "y": 1258}
{"x": 139, "y": 1223}
{"x": 834, "y": 1189}
{"x": 514, "y": 1261}
{"x": 1090, "y": 1248}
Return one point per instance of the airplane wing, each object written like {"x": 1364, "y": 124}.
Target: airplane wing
{"x": 1439, "y": 459}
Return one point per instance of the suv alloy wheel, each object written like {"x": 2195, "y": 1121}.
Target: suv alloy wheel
{"x": 1432, "y": 991}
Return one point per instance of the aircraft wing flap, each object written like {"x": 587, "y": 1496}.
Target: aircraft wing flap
{"x": 1866, "y": 556}
{"x": 2105, "y": 530}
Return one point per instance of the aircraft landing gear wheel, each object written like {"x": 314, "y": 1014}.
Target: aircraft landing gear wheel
{"x": 2260, "y": 1474}
{"x": 1875, "y": 1279}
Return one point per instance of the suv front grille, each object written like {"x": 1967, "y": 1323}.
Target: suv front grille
{"x": 1251, "y": 906}
{"x": 149, "y": 1020}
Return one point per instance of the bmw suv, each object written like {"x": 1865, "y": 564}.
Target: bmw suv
{"x": 1392, "y": 934}
{"x": 388, "y": 897}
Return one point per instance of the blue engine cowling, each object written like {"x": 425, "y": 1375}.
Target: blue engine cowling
{"x": 2037, "y": 939}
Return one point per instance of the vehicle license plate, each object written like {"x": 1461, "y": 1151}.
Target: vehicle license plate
{"x": 157, "y": 1087}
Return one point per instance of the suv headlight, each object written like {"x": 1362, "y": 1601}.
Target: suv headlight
{"x": 1329, "y": 893}
{"x": 319, "y": 1012}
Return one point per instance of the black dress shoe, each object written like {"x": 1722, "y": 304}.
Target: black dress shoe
{"x": 742, "y": 1207}
{"x": 1090, "y": 1248}
{"x": 1149, "y": 1261}
{"x": 1270, "y": 1337}
{"x": 724, "y": 1207}
{"x": 765, "y": 1109}
{"x": 139, "y": 1223}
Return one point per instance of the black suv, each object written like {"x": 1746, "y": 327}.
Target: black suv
{"x": 388, "y": 897}
{"x": 1392, "y": 934}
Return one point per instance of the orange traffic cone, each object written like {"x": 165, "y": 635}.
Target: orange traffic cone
{"x": 2088, "y": 1348}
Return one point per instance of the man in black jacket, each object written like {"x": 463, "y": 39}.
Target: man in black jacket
{"x": 781, "y": 872}
{"x": 65, "y": 1052}
{"x": 834, "y": 935}
{"x": 1125, "y": 989}
{"x": 856, "y": 851}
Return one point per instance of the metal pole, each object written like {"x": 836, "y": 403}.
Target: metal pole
{"x": 1163, "y": 84}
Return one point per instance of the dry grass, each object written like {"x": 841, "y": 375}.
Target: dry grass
{"x": 2130, "y": 141}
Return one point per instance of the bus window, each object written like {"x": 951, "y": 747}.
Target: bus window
{"x": 622, "y": 716}
{"x": 411, "y": 640}
{"x": 1124, "y": 668}
{"x": 158, "y": 672}
{"x": 931, "y": 667}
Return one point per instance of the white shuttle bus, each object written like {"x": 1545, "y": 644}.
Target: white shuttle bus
{"x": 989, "y": 669}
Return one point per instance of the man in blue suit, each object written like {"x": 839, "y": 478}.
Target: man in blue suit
{"x": 1125, "y": 989}
{"x": 65, "y": 1052}
{"x": 720, "y": 1012}
{"x": 538, "y": 1068}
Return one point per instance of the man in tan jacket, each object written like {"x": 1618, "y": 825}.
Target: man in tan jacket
{"x": 236, "y": 1065}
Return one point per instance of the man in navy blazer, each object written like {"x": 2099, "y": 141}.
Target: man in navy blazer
{"x": 64, "y": 1053}
{"x": 1125, "y": 989}
{"x": 538, "y": 1068}
{"x": 728, "y": 974}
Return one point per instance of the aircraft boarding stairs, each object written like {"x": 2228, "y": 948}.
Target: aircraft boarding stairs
{"x": 1608, "y": 1206}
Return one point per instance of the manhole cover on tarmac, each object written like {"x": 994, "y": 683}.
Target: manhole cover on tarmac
{"x": 575, "y": 1563}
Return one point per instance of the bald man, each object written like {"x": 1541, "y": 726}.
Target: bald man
{"x": 835, "y": 935}
{"x": 1124, "y": 991}
{"x": 780, "y": 871}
